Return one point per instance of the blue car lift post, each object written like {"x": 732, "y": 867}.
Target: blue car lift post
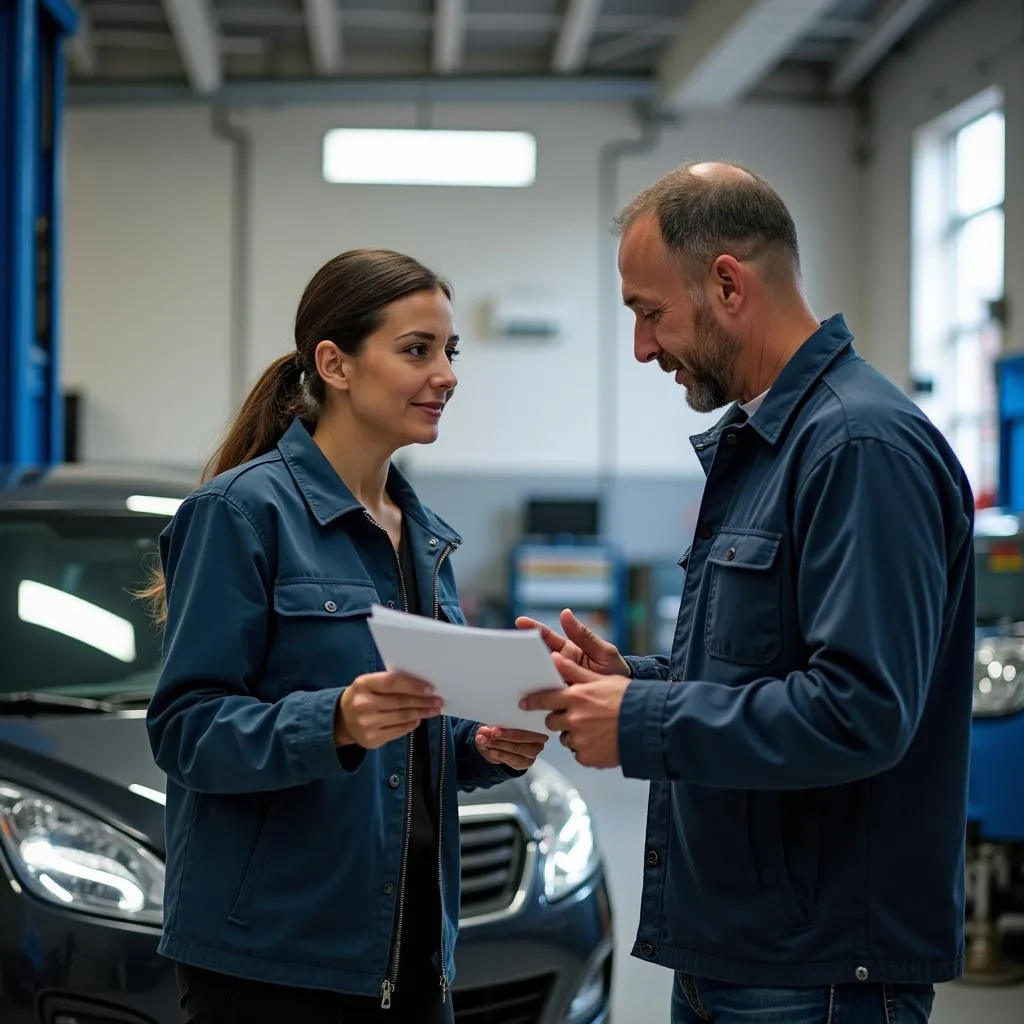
{"x": 1010, "y": 401}
{"x": 32, "y": 33}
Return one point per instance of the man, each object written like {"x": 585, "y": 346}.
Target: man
{"x": 807, "y": 740}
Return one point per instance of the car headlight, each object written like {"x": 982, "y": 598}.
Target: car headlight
{"x": 567, "y": 843}
{"x": 998, "y": 677}
{"x": 72, "y": 859}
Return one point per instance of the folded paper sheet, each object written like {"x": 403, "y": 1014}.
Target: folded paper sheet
{"x": 480, "y": 673}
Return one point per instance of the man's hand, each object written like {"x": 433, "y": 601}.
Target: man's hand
{"x": 516, "y": 748}
{"x": 382, "y": 706}
{"x": 580, "y": 645}
{"x": 586, "y": 712}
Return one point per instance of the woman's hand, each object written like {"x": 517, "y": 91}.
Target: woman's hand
{"x": 516, "y": 748}
{"x": 580, "y": 645}
{"x": 382, "y": 706}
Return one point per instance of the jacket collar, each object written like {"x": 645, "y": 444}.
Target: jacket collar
{"x": 798, "y": 376}
{"x": 329, "y": 498}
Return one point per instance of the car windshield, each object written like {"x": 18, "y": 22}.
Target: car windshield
{"x": 69, "y": 621}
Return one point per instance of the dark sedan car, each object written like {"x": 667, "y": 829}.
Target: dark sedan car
{"x": 81, "y": 801}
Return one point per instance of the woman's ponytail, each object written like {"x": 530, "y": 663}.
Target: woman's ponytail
{"x": 275, "y": 400}
{"x": 267, "y": 412}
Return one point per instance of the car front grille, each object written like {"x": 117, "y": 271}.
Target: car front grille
{"x": 493, "y": 858}
{"x": 516, "y": 1002}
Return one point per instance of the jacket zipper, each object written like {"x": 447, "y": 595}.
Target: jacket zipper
{"x": 440, "y": 795}
{"x": 387, "y": 986}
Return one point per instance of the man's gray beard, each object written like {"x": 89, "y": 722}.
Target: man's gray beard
{"x": 708, "y": 391}
{"x": 707, "y": 394}
{"x": 712, "y": 382}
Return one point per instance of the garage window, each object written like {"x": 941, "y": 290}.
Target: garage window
{"x": 959, "y": 279}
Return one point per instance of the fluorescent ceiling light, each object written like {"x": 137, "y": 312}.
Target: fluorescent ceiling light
{"x": 153, "y": 505}
{"x": 373, "y": 156}
{"x": 50, "y": 608}
{"x": 150, "y": 794}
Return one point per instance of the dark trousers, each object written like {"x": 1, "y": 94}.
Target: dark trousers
{"x": 209, "y": 998}
{"x": 696, "y": 1001}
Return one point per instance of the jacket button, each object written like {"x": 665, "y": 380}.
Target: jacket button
{"x": 673, "y": 678}
{"x": 730, "y": 554}
{"x": 391, "y": 604}
{"x": 646, "y": 949}
{"x": 432, "y": 542}
{"x": 389, "y": 888}
{"x": 730, "y": 438}
{"x": 394, "y": 782}
{"x": 330, "y": 606}
{"x": 861, "y": 974}
{"x": 652, "y": 857}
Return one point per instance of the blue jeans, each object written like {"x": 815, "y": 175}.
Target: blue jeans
{"x": 696, "y": 1001}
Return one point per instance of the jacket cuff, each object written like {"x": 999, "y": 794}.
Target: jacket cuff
{"x": 648, "y": 667}
{"x": 641, "y": 720}
{"x": 322, "y": 757}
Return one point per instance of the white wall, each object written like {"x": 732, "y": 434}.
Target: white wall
{"x": 980, "y": 44}
{"x": 145, "y": 313}
{"x": 147, "y": 309}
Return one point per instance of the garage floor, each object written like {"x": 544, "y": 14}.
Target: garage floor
{"x": 619, "y": 807}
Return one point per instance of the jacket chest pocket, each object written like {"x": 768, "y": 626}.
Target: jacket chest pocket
{"x": 323, "y": 632}
{"x": 744, "y": 619}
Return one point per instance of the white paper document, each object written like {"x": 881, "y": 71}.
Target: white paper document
{"x": 481, "y": 674}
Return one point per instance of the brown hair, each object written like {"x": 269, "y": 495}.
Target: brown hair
{"x": 702, "y": 217}
{"x": 345, "y": 302}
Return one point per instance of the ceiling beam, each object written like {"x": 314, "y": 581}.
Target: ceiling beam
{"x": 390, "y": 19}
{"x": 620, "y": 47}
{"x": 323, "y": 26}
{"x": 449, "y": 35}
{"x": 82, "y": 45}
{"x": 479, "y": 21}
{"x": 121, "y": 12}
{"x": 194, "y": 31}
{"x": 840, "y": 28}
{"x": 892, "y": 23}
{"x": 429, "y": 89}
{"x": 725, "y": 47}
{"x": 575, "y": 35}
{"x": 134, "y": 39}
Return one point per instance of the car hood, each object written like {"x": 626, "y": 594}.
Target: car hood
{"x": 103, "y": 765}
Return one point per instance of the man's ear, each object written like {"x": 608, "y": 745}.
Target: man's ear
{"x": 729, "y": 283}
{"x": 332, "y": 365}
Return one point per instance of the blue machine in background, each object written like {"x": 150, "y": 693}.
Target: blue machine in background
{"x": 995, "y": 859}
{"x": 563, "y": 561}
{"x": 588, "y": 576}
{"x": 31, "y": 101}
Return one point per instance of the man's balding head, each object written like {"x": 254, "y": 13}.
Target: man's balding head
{"x": 720, "y": 171}
{"x": 710, "y": 209}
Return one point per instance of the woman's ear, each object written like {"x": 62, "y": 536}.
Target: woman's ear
{"x": 332, "y": 365}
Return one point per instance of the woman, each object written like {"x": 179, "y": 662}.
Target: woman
{"x": 312, "y": 816}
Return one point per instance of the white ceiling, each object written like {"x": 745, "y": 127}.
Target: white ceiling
{"x": 678, "y": 53}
